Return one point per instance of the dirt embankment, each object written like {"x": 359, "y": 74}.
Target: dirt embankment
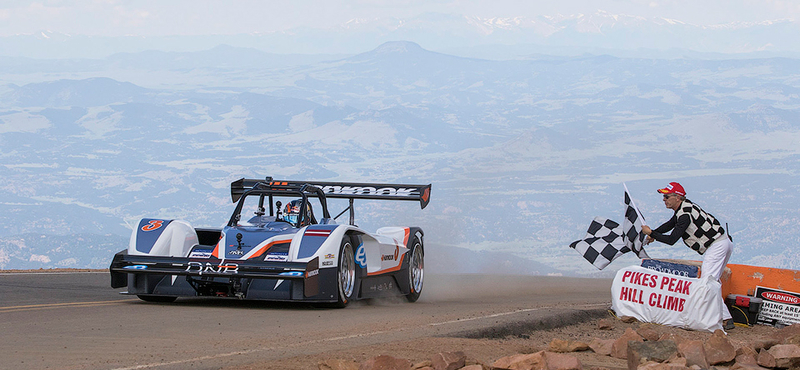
{"x": 488, "y": 349}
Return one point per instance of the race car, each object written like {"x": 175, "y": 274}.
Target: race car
{"x": 274, "y": 248}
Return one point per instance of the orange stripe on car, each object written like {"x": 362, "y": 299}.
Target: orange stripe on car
{"x": 390, "y": 269}
{"x": 267, "y": 246}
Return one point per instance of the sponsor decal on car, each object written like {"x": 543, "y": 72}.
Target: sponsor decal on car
{"x": 236, "y": 252}
{"x": 136, "y": 267}
{"x": 361, "y": 256}
{"x": 200, "y": 253}
{"x": 330, "y": 256}
{"x": 292, "y": 273}
{"x": 277, "y": 256}
{"x": 381, "y": 287}
{"x": 200, "y": 268}
{"x": 367, "y": 190}
{"x": 391, "y": 257}
{"x": 153, "y": 225}
{"x": 327, "y": 263}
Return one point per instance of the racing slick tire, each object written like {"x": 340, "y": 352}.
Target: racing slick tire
{"x": 416, "y": 270}
{"x": 346, "y": 273}
{"x": 157, "y": 298}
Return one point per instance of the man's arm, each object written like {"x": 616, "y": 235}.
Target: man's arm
{"x": 667, "y": 226}
{"x": 680, "y": 225}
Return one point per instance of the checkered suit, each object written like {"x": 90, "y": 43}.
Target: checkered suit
{"x": 703, "y": 228}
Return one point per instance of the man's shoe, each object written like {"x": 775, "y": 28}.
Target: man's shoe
{"x": 729, "y": 325}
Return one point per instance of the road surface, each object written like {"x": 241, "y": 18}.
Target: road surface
{"x": 76, "y": 321}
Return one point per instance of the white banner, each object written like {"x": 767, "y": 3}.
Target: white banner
{"x": 652, "y": 296}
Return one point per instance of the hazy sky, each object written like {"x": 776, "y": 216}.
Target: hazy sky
{"x": 203, "y": 17}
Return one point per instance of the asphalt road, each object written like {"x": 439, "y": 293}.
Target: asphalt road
{"x": 76, "y": 321}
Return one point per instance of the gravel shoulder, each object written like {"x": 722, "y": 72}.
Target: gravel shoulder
{"x": 487, "y": 350}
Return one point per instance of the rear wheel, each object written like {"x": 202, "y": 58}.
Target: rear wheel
{"x": 157, "y": 298}
{"x": 416, "y": 270}
{"x": 346, "y": 273}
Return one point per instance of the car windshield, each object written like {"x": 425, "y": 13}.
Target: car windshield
{"x": 256, "y": 212}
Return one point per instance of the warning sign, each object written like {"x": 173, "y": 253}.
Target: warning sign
{"x": 778, "y": 306}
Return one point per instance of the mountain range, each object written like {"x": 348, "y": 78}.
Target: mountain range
{"x": 522, "y": 154}
{"x": 516, "y": 37}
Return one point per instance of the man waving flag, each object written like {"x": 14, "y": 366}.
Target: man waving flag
{"x": 606, "y": 240}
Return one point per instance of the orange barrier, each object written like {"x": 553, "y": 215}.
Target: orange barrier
{"x": 743, "y": 279}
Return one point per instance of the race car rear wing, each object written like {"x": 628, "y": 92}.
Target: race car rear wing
{"x": 346, "y": 190}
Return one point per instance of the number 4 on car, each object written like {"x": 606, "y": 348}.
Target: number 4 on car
{"x": 280, "y": 244}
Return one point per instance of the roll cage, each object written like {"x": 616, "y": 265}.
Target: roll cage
{"x": 267, "y": 190}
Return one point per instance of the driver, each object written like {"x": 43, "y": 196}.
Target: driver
{"x": 291, "y": 213}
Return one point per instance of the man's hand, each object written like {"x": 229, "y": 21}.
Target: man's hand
{"x": 646, "y": 230}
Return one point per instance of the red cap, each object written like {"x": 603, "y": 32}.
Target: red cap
{"x": 673, "y": 188}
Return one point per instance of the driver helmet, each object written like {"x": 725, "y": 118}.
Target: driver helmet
{"x": 292, "y": 211}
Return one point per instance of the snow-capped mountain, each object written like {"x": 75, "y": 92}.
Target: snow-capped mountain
{"x": 467, "y": 35}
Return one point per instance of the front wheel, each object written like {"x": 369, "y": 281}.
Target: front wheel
{"x": 416, "y": 270}
{"x": 346, "y": 273}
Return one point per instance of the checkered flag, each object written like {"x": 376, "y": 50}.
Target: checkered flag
{"x": 606, "y": 240}
{"x": 602, "y": 244}
{"x": 633, "y": 236}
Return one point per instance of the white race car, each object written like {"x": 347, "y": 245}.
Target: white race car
{"x": 280, "y": 251}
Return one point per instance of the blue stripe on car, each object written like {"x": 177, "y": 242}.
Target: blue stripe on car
{"x": 147, "y": 233}
{"x": 310, "y": 244}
